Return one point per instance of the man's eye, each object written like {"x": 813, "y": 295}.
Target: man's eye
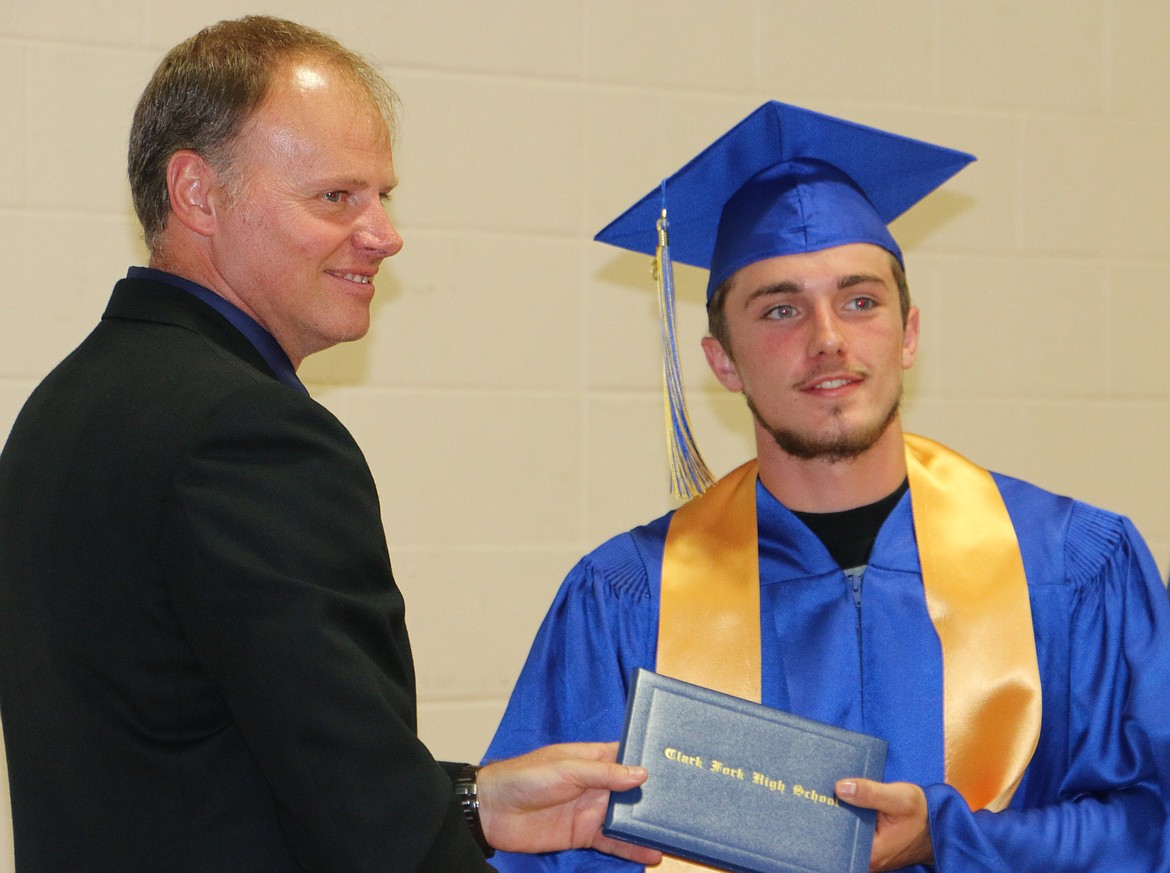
{"x": 863, "y": 303}
{"x": 335, "y": 196}
{"x": 784, "y": 311}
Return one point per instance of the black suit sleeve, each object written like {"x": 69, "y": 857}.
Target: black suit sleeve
{"x": 277, "y": 564}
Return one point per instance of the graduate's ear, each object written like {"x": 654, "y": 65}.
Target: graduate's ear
{"x": 722, "y": 364}
{"x": 191, "y": 183}
{"x": 910, "y": 339}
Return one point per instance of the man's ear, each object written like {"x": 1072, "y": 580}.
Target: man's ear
{"x": 722, "y": 364}
{"x": 190, "y": 183}
{"x": 910, "y": 339}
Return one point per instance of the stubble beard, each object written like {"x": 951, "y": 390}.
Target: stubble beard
{"x": 843, "y": 445}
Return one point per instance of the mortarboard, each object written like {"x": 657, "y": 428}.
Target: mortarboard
{"x": 783, "y": 181}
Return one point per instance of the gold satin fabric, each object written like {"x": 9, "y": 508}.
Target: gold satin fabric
{"x": 971, "y": 567}
{"x": 708, "y": 641}
{"x": 977, "y": 597}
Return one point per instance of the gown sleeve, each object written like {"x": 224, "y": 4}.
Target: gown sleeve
{"x": 1098, "y": 798}
{"x": 600, "y": 627}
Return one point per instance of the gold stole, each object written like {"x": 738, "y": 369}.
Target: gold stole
{"x": 976, "y": 595}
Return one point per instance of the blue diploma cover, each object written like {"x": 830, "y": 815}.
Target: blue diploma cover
{"x": 741, "y": 786}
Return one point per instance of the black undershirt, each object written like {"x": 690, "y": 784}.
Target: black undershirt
{"x": 849, "y": 535}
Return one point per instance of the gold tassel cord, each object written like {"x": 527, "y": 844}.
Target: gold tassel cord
{"x": 689, "y": 475}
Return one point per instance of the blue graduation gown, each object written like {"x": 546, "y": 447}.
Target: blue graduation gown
{"x": 866, "y": 657}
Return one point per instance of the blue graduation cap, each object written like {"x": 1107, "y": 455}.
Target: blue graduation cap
{"x": 783, "y": 181}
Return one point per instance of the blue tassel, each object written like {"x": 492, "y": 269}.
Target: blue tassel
{"x": 689, "y": 476}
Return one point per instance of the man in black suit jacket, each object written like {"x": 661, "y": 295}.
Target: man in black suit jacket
{"x": 203, "y": 659}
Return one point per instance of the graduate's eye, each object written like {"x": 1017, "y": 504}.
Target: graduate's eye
{"x": 784, "y": 310}
{"x": 862, "y": 304}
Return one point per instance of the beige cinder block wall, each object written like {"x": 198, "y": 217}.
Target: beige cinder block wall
{"x": 508, "y": 394}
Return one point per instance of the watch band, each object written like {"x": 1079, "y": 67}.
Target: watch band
{"x": 467, "y": 790}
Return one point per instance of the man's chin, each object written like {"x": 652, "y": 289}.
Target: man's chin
{"x": 836, "y": 445}
{"x": 834, "y": 451}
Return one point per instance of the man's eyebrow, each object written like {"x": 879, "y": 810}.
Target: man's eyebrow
{"x": 339, "y": 182}
{"x": 788, "y": 286}
{"x": 785, "y": 287}
{"x": 859, "y": 279}
{"x": 351, "y": 183}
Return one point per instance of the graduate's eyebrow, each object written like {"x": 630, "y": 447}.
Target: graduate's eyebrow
{"x": 859, "y": 279}
{"x": 785, "y": 287}
{"x": 790, "y": 287}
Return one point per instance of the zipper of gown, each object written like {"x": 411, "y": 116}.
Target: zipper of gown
{"x": 854, "y": 577}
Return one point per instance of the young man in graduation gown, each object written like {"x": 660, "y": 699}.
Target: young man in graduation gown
{"x": 1011, "y": 645}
